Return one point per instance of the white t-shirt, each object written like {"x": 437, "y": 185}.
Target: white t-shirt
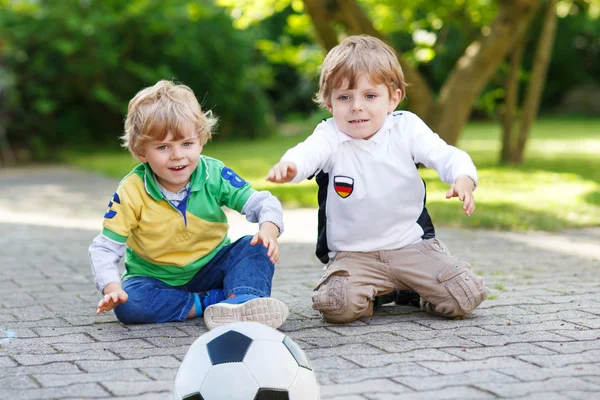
{"x": 375, "y": 193}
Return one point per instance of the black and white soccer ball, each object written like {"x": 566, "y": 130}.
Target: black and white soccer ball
{"x": 245, "y": 361}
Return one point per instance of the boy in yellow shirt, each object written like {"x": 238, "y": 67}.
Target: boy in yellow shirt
{"x": 166, "y": 219}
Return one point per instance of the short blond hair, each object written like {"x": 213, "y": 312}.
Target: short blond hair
{"x": 354, "y": 56}
{"x": 165, "y": 107}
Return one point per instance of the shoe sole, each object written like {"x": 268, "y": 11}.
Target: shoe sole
{"x": 266, "y": 310}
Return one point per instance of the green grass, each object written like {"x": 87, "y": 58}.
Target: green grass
{"x": 557, "y": 187}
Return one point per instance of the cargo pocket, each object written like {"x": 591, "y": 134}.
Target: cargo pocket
{"x": 330, "y": 295}
{"x": 466, "y": 287}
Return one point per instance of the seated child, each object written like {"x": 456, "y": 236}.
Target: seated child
{"x": 376, "y": 234}
{"x": 166, "y": 218}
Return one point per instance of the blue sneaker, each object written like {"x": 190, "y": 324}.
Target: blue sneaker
{"x": 208, "y": 298}
{"x": 246, "y": 307}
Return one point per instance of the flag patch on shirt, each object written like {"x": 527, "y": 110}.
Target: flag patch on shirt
{"x": 344, "y": 185}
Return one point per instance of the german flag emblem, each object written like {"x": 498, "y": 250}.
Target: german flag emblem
{"x": 343, "y": 185}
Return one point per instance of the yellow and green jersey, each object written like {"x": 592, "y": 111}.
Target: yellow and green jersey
{"x": 167, "y": 242}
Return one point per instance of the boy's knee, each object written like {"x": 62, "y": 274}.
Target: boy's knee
{"x": 257, "y": 249}
{"x": 338, "y": 302}
{"x": 466, "y": 292}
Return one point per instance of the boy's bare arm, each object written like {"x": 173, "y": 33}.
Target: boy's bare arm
{"x": 282, "y": 172}
{"x": 113, "y": 296}
{"x": 463, "y": 189}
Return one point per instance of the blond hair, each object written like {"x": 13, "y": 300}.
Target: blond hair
{"x": 353, "y": 57}
{"x": 165, "y": 107}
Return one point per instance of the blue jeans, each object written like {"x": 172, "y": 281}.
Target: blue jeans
{"x": 238, "y": 268}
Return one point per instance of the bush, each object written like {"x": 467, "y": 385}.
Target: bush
{"x": 74, "y": 65}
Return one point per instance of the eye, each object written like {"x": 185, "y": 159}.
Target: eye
{"x": 371, "y": 96}
{"x": 188, "y": 144}
{"x": 163, "y": 147}
{"x": 343, "y": 97}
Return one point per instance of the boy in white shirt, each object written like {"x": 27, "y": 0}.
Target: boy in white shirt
{"x": 376, "y": 234}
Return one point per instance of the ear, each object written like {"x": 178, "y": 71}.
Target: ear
{"x": 329, "y": 108}
{"x": 394, "y": 100}
{"x": 142, "y": 158}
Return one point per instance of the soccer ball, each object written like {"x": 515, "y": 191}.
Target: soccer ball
{"x": 245, "y": 361}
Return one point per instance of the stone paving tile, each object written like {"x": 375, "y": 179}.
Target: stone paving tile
{"x": 514, "y": 349}
{"x": 6, "y": 362}
{"x": 438, "y": 343}
{"x": 13, "y": 382}
{"x": 509, "y": 390}
{"x": 159, "y": 373}
{"x": 101, "y": 365}
{"x": 368, "y": 386}
{"x": 59, "y": 380}
{"x": 415, "y": 355}
{"x": 531, "y": 337}
{"x": 580, "y": 334}
{"x": 341, "y": 340}
{"x": 470, "y": 378}
{"x": 40, "y": 359}
{"x": 115, "y": 347}
{"x": 395, "y": 370}
{"x": 519, "y": 328}
{"x": 132, "y": 388}
{"x": 540, "y": 374}
{"x": 324, "y": 364}
{"x": 578, "y": 395}
{"x": 463, "y": 392}
{"x": 65, "y": 367}
{"x": 91, "y": 390}
{"x": 466, "y": 332}
{"x": 495, "y": 363}
{"x": 571, "y": 347}
{"x": 545, "y": 396}
{"x": 592, "y": 323}
{"x": 149, "y": 351}
{"x": 561, "y": 360}
{"x": 362, "y": 348}
{"x": 399, "y": 328}
{"x": 567, "y": 315}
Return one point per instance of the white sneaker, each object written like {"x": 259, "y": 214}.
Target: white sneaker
{"x": 266, "y": 310}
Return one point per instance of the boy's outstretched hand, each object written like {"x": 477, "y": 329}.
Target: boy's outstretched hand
{"x": 267, "y": 235}
{"x": 113, "y": 296}
{"x": 463, "y": 189}
{"x": 282, "y": 172}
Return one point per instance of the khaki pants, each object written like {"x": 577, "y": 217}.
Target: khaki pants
{"x": 448, "y": 287}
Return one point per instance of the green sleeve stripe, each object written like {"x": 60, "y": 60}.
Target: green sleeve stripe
{"x": 243, "y": 198}
{"x": 114, "y": 236}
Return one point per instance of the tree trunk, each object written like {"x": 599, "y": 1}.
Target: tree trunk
{"x": 321, "y": 19}
{"x": 511, "y": 101}
{"x": 478, "y": 64}
{"x": 538, "y": 76}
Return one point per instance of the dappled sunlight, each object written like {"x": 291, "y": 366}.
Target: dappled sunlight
{"x": 524, "y": 196}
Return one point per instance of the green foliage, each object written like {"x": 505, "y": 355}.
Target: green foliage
{"x": 558, "y": 187}
{"x": 433, "y": 35}
{"x": 74, "y": 66}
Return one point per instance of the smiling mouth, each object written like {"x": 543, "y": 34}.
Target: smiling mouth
{"x": 358, "y": 121}
{"x": 179, "y": 168}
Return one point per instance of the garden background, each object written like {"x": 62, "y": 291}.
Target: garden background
{"x": 516, "y": 83}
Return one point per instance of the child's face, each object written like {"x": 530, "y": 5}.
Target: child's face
{"x": 361, "y": 112}
{"x": 173, "y": 161}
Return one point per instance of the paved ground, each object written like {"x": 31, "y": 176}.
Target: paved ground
{"x": 538, "y": 337}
